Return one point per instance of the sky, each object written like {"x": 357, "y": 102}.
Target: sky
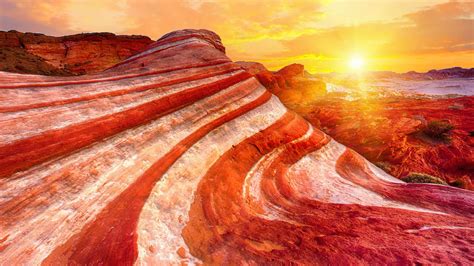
{"x": 324, "y": 35}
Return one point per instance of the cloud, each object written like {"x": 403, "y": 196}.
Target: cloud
{"x": 444, "y": 27}
{"x": 271, "y": 31}
{"x": 439, "y": 29}
{"x": 237, "y": 21}
{"x": 34, "y": 16}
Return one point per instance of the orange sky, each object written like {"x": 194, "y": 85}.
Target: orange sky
{"x": 397, "y": 35}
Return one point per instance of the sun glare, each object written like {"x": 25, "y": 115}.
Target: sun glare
{"x": 356, "y": 62}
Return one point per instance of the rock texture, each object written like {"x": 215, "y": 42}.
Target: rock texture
{"x": 68, "y": 55}
{"x": 386, "y": 130}
{"x": 389, "y": 132}
{"x": 178, "y": 155}
{"x": 289, "y": 83}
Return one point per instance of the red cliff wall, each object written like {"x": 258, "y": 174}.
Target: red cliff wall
{"x": 74, "y": 54}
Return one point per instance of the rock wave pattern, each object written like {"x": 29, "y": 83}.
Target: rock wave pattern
{"x": 177, "y": 155}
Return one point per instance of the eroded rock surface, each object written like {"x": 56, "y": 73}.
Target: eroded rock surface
{"x": 84, "y": 53}
{"x": 386, "y": 130}
{"x": 179, "y": 155}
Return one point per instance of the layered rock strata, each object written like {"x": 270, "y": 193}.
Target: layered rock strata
{"x": 178, "y": 155}
{"x": 78, "y": 54}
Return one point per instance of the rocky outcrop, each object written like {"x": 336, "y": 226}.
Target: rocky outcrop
{"x": 291, "y": 71}
{"x": 177, "y": 155}
{"x": 68, "y": 55}
{"x": 454, "y": 72}
{"x": 387, "y": 130}
{"x": 289, "y": 83}
{"x": 390, "y": 132}
{"x": 253, "y": 68}
{"x": 14, "y": 59}
{"x": 274, "y": 83}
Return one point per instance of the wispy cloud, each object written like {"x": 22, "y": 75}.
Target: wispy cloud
{"x": 44, "y": 16}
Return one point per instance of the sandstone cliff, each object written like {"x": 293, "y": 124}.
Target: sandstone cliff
{"x": 68, "y": 55}
{"x": 289, "y": 83}
{"x": 178, "y": 155}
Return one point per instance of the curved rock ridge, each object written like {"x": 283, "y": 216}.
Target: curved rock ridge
{"x": 178, "y": 155}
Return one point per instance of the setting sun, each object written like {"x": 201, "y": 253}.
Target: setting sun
{"x": 356, "y": 63}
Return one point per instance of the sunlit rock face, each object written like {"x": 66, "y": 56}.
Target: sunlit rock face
{"x": 387, "y": 130}
{"x": 290, "y": 83}
{"x": 178, "y": 155}
{"x": 67, "y": 55}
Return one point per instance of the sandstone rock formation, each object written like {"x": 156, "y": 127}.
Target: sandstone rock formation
{"x": 384, "y": 130}
{"x": 177, "y": 155}
{"x": 289, "y": 83}
{"x": 67, "y": 55}
{"x": 389, "y": 132}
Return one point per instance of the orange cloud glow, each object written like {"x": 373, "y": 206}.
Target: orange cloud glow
{"x": 397, "y": 35}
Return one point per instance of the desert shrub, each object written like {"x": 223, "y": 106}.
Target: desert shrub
{"x": 438, "y": 129}
{"x": 387, "y": 167}
{"x": 423, "y": 178}
{"x": 457, "y": 183}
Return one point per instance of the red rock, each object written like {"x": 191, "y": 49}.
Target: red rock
{"x": 253, "y": 68}
{"x": 181, "y": 252}
{"x": 385, "y": 131}
{"x": 292, "y": 71}
{"x": 9, "y": 39}
{"x": 289, "y": 83}
{"x": 274, "y": 83}
{"x": 74, "y": 54}
{"x": 178, "y": 155}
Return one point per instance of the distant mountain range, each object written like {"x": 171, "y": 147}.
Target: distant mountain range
{"x": 434, "y": 74}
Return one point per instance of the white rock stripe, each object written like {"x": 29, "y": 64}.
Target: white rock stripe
{"x": 9, "y": 97}
{"x": 166, "y": 211}
{"x": 117, "y": 163}
{"x": 315, "y": 177}
{"x": 24, "y": 124}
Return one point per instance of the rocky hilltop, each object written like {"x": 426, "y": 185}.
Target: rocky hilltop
{"x": 434, "y": 74}
{"x": 78, "y": 54}
{"x": 178, "y": 155}
{"x": 290, "y": 82}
